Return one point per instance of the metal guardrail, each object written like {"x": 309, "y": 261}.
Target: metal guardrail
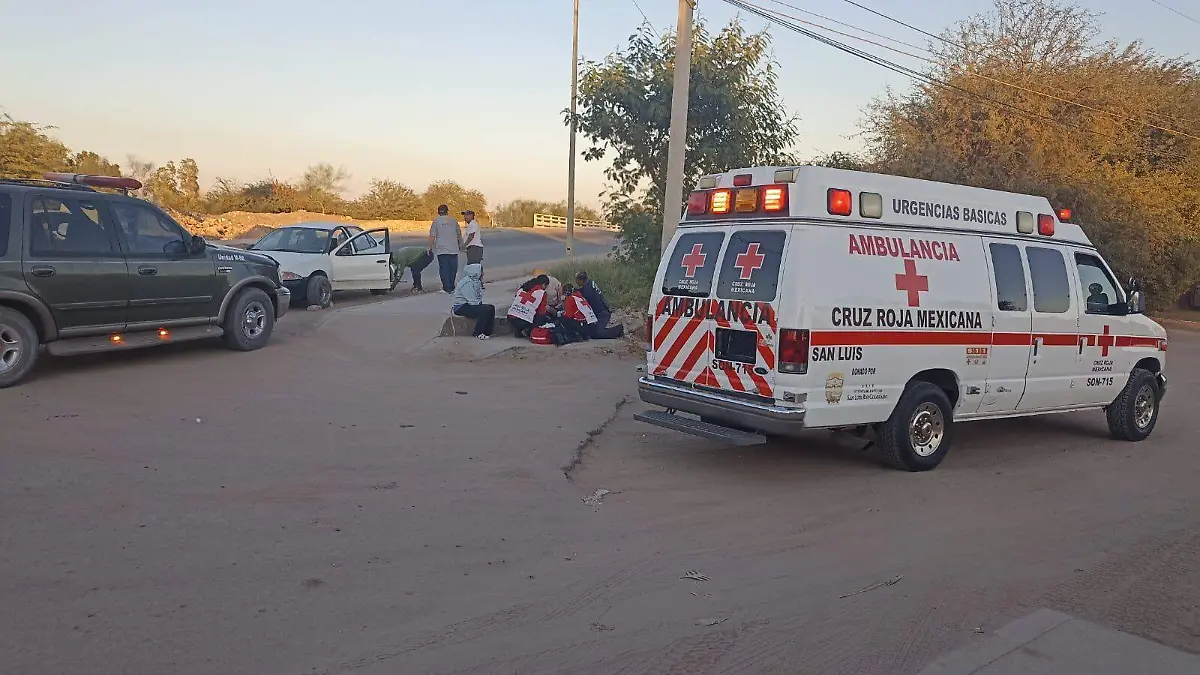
{"x": 548, "y": 220}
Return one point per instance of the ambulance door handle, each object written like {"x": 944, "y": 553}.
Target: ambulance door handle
{"x": 1081, "y": 341}
{"x": 1037, "y": 343}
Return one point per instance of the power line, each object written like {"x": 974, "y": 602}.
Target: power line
{"x": 978, "y": 52}
{"x": 842, "y": 23}
{"x": 644, "y": 17}
{"x": 1054, "y": 97}
{"x": 903, "y": 70}
{"x": 1172, "y": 9}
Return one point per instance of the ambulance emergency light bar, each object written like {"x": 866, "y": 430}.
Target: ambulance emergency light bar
{"x": 744, "y": 198}
{"x": 110, "y": 182}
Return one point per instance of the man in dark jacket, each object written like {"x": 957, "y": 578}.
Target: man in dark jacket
{"x": 591, "y": 293}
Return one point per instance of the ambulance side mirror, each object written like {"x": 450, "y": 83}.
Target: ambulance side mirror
{"x": 1137, "y": 302}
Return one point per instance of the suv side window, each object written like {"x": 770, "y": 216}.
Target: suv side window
{"x": 1100, "y": 294}
{"x": 5, "y": 223}
{"x": 1051, "y": 288}
{"x": 1011, "y": 295}
{"x": 69, "y": 227}
{"x": 146, "y": 232}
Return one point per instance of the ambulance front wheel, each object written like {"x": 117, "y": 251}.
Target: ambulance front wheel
{"x": 1135, "y": 412}
{"x": 917, "y": 436}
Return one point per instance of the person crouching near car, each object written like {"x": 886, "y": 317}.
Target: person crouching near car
{"x": 412, "y": 258}
{"x": 529, "y": 307}
{"x": 468, "y": 301}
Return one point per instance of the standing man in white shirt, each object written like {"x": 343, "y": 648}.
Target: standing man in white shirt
{"x": 445, "y": 241}
{"x": 474, "y": 239}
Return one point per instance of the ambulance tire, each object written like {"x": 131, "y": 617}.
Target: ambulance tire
{"x": 1132, "y": 416}
{"x": 916, "y": 408}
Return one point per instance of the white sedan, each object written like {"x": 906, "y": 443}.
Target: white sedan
{"x": 316, "y": 259}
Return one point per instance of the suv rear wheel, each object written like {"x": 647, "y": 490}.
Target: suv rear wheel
{"x": 917, "y": 436}
{"x": 18, "y": 347}
{"x": 250, "y": 321}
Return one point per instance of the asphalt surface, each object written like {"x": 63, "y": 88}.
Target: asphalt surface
{"x": 352, "y": 499}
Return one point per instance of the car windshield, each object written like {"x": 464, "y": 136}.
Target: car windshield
{"x": 295, "y": 240}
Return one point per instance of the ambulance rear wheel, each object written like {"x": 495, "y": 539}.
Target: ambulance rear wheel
{"x": 917, "y": 436}
{"x": 1135, "y": 412}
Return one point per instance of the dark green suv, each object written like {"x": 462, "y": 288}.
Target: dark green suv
{"x": 86, "y": 271}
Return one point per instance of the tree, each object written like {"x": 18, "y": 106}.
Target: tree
{"x": 324, "y": 177}
{"x": 188, "y": 179}
{"x": 28, "y": 151}
{"x": 92, "y": 164}
{"x": 455, "y": 196}
{"x": 1036, "y": 105}
{"x": 735, "y": 115}
{"x": 388, "y": 200}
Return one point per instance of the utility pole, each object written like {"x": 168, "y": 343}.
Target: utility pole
{"x": 677, "y": 144}
{"x": 571, "y": 163}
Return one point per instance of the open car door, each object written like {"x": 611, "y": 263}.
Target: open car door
{"x": 363, "y": 262}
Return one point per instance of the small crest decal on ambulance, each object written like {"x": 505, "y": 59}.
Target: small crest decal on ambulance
{"x": 833, "y": 388}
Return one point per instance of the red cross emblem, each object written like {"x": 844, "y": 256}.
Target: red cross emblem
{"x": 1105, "y": 341}
{"x": 912, "y": 282}
{"x": 527, "y": 297}
{"x": 749, "y": 261}
{"x": 694, "y": 260}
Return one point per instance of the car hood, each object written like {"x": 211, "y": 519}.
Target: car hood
{"x": 247, "y": 256}
{"x": 302, "y": 264}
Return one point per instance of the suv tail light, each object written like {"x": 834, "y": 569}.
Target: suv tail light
{"x": 793, "y": 351}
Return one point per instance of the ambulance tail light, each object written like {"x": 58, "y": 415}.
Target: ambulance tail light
{"x": 793, "y": 351}
{"x": 775, "y": 198}
{"x": 841, "y": 203}
{"x": 1045, "y": 223}
{"x": 697, "y": 203}
{"x": 720, "y": 202}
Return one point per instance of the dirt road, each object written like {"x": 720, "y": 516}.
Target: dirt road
{"x": 322, "y": 516}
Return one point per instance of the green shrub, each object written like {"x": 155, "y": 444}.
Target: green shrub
{"x": 626, "y": 286}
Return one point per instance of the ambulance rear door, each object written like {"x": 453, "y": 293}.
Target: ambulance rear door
{"x": 715, "y": 315}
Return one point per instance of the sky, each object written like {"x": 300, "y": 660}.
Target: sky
{"x": 414, "y": 90}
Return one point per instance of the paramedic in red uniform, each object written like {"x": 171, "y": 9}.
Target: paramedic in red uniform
{"x": 529, "y": 307}
{"x": 578, "y": 309}
{"x": 591, "y": 293}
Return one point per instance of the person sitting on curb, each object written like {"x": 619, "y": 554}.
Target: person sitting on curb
{"x": 591, "y": 293}
{"x": 468, "y": 301}
{"x": 578, "y": 309}
{"x": 529, "y": 306}
{"x": 413, "y": 258}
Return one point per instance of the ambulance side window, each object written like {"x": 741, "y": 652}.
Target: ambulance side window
{"x": 1100, "y": 294}
{"x": 693, "y": 264}
{"x": 1011, "y": 295}
{"x": 1051, "y": 288}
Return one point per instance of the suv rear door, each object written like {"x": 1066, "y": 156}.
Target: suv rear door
{"x": 725, "y": 339}
{"x": 170, "y": 286}
{"x": 72, "y": 261}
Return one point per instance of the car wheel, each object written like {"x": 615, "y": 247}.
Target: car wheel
{"x": 319, "y": 292}
{"x": 918, "y": 434}
{"x": 1135, "y": 412}
{"x": 250, "y": 321}
{"x": 18, "y": 347}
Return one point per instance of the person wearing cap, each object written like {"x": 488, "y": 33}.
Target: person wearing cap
{"x": 445, "y": 241}
{"x": 474, "y": 240}
{"x": 591, "y": 292}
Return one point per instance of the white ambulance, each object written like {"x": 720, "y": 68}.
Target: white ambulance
{"x": 807, "y": 297}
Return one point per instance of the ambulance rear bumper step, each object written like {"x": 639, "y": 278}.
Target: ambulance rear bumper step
{"x": 727, "y": 409}
{"x": 697, "y": 428}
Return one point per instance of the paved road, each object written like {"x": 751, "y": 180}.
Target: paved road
{"x": 513, "y": 247}
{"x": 351, "y": 501}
